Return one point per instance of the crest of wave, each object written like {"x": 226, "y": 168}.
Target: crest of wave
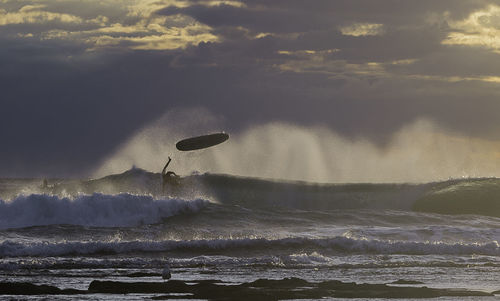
{"x": 91, "y": 210}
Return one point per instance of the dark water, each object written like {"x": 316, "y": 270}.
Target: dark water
{"x": 238, "y": 229}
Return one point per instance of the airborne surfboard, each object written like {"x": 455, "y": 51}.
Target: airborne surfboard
{"x": 201, "y": 142}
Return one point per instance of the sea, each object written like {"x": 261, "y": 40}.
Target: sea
{"x": 123, "y": 227}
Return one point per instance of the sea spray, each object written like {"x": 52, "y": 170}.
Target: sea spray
{"x": 419, "y": 152}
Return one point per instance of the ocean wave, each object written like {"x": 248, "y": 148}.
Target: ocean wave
{"x": 337, "y": 245}
{"x": 468, "y": 196}
{"x": 97, "y": 209}
{"x": 95, "y": 266}
{"x": 477, "y": 196}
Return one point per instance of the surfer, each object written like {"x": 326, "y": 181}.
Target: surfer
{"x": 168, "y": 177}
{"x": 45, "y": 184}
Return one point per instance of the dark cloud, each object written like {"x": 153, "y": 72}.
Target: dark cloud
{"x": 65, "y": 106}
{"x": 254, "y": 19}
{"x": 305, "y": 16}
{"x": 455, "y": 61}
{"x": 317, "y": 27}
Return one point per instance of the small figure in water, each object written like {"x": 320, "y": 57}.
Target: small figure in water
{"x": 46, "y": 188}
{"x": 166, "y": 272}
{"x": 168, "y": 177}
{"x": 45, "y": 184}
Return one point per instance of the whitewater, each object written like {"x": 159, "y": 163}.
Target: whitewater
{"x": 236, "y": 230}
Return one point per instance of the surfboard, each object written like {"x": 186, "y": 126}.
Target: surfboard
{"x": 201, "y": 142}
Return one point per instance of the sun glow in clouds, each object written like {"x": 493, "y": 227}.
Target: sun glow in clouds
{"x": 481, "y": 28}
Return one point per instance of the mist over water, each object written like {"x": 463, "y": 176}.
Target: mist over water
{"x": 419, "y": 152}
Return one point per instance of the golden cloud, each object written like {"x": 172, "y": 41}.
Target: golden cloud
{"x": 362, "y": 29}
{"x": 481, "y": 28}
{"x": 305, "y": 61}
{"x": 309, "y": 61}
{"x": 133, "y": 24}
{"x": 30, "y": 14}
{"x": 165, "y": 39}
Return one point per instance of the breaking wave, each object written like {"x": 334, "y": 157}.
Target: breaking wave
{"x": 479, "y": 196}
{"x": 99, "y": 210}
{"x": 338, "y": 245}
{"x": 471, "y": 196}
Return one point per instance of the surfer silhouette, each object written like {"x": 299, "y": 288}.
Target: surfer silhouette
{"x": 168, "y": 177}
{"x": 45, "y": 184}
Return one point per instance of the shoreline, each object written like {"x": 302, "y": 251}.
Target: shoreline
{"x": 264, "y": 289}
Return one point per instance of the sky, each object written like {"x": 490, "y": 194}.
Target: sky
{"x": 89, "y": 88}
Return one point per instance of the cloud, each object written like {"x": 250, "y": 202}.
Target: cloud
{"x": 31, "y": 14}
{"x": 481, "y": 28}
{"x": 362, "y": 29}
{"x": 134, "y": 26}
{"x": 78, "y": 79}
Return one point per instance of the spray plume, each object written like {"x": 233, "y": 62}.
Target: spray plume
{"x": 418, "y": 152}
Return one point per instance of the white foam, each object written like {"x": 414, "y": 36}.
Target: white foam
{"x": 338, "y": 245}
{"x": 98, "y": 210}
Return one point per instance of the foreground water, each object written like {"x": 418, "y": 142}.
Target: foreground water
{"x": 238, "y": 230}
